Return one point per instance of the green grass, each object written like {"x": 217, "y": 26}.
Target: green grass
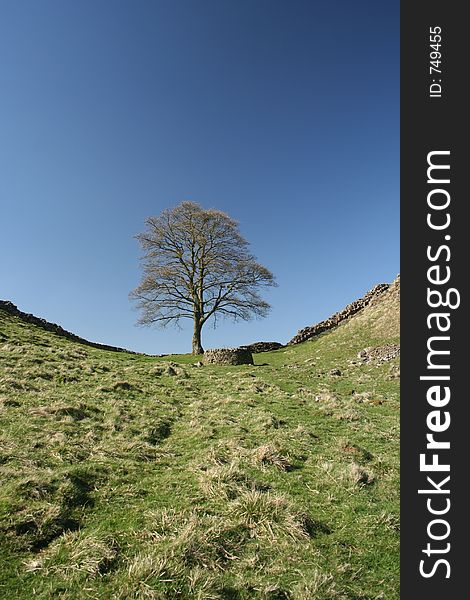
{"x": 126, "y": 476}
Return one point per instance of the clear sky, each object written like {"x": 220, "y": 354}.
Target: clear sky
{"x": 283, "y": 113}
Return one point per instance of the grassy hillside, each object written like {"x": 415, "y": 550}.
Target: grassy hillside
{"x": 126, "y": 476}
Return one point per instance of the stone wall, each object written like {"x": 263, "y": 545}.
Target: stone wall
{"x": 11, "y": 309}
{"x": 339, "y": 317}
{"x": 228, "y": 356}
{"x": 263, "y": 346}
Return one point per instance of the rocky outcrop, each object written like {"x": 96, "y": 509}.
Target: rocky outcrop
{"x": 228, "y": 356}
{"x": 263, "y": 347}
{"x": 335, "y": 320}
{"x": 11, "y": 309}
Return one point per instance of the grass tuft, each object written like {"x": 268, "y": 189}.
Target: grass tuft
{"x": 136, "y": 477}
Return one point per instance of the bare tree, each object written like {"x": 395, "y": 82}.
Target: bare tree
{"x": 197, "y": 265}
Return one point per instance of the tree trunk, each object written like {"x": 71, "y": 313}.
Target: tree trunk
{"x": 197, "y": 346}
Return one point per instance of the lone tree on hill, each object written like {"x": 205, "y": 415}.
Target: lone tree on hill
{"x": 197, "y": 265}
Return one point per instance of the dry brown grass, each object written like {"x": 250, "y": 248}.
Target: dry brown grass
{"x": 270, "y": 455}
{"x": 76, "y": 553}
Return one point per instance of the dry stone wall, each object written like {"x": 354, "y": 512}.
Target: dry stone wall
{"x": 339, "y": 317}
{"x": 264, "y": 346}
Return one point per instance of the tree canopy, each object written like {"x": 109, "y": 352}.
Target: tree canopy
{"x": 197, "y": 265}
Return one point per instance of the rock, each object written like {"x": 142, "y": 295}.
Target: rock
{"x": 228, "y": 356}
{"x": 379, "y": 354}
{"x": 335, "y": 372}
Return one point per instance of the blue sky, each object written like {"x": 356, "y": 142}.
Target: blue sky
{"x": 284, "y": 114}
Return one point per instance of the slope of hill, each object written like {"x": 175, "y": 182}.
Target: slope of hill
{"x": 126, "y": 476}
{"x": 10, "y": 308}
